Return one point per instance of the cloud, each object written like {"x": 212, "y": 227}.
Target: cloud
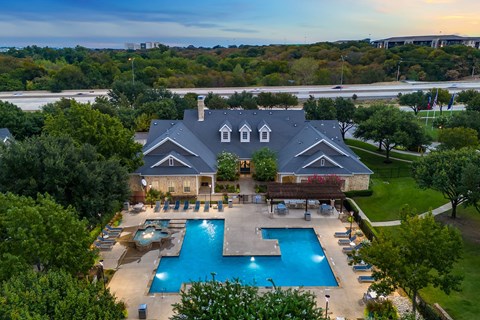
{"x": 240, "y": 30}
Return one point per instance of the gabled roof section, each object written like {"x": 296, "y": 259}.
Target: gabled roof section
{"x": 324, "y": 141}
{"x": 244, "y": 124}
{"x": 165, "y": 140}
{"x": 176, "y": 156}
{"x": 263, "y": 125}
{"x": 5, "y": 135}
{"x": 315, "y": 158}
{"x": 226, "y": 124}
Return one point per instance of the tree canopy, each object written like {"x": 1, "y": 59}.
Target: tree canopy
{"x": 457, "y": 138}
{"x": 265, "y": 162}
{"x": 56, "y": 295}
{"x": 227, "y": 166}
{"x": 42, "y": 233}
{"x": 72, "y": 174}
{"x": 420, "y": 254}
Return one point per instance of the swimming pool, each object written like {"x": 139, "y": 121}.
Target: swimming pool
{"x": 303, "y": 262}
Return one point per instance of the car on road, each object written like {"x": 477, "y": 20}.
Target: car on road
{"x": 338, "y": 87}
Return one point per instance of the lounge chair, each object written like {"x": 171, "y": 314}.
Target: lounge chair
{"x": 166, "y": 206}
{"x": 105, "y": 240}
{"x": 366, "y": 279}
{"x": 177, "y": 205}
{"x": 113, "y": 229}
{"x": 350, "y": 249}
{"x": 103, "y": 246}
{"x": 186, "y": 205}
{"x": 206, "y": 208}
{"x": 345, "y": 234}
{"x": 346, "y": 242}
{"x": 111, "y": 234}
{"x": 157, "y": 206}
{"x": 220, "y": 206}
{"x": 197, "y": 206}
{"x": 362, "y": 267}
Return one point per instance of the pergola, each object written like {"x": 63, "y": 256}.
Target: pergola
{"x": 307, "y": 191}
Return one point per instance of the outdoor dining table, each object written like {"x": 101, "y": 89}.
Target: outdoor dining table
{"x": 138, "y": 207}
{"x": 281, "y": 208}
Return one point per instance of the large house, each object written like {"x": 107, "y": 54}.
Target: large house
{"x": 180, "y": 156}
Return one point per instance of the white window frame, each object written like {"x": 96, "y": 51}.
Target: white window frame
{"x": 264, "y": 139}
{"x": 171, "y": 162}
{"x": 322, "y": 162}
{"x": 222, "y": 135}
{"x": 246, "y": 138}
{"x": 171, "y": 187}
{"x": 186, "y": 186}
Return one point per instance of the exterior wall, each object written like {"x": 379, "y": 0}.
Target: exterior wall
{"x": 162, "y": 183}
{"x": 357, "y": 182}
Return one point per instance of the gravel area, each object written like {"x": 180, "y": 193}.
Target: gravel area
{"x": 403, "y": 305}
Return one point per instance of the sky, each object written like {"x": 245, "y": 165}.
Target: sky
{"x": 112, "y": 23}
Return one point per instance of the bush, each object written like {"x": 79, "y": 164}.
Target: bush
{"x": 381, "y": 310}
{"x": 359, "y": 193}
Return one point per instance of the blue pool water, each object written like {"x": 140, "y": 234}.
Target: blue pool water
{"x": 148, "y": 235}
{"x": 302, "y": 263}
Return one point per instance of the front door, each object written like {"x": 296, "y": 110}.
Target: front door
{"x": 245, "y": 166}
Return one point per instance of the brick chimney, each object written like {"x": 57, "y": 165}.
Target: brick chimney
{"x": 201, "y": 108}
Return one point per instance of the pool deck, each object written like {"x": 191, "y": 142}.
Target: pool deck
{"x": 242, "y": 236}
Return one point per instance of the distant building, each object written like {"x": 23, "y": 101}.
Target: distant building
{"x": 5, "y": 136}
{"x": 142, "y": 46}
{"x": 436, "y": 41}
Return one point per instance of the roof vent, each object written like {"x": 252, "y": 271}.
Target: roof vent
{"x": 288, "y": 118}
{"x": 225, "y": 113}
{"x": 316, "y": 138}
{"x": 240, "y": 112}
{"x": 299, "y": 142}
{"x": 294, "y": 124}
{"x": 333, "y": 126}
{"x": 209, "y": 112}
{"x": 154, "y": 123}
{"x": 254, "y": 112}
{"x": 270, "y": 113}
{"x": 321, "y": 124}
{"x": 172, "y": 123}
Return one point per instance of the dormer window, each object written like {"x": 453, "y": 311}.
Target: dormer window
{"x": 264, "y": 132}
{"x": 245, "y": 130}
{"x": 225, "y": 131}
{"x": 322, "y": 162}
{"x": 171, "y": 163}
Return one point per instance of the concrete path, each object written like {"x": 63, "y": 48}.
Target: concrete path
{"x": 380, "y": 155}
{"x": 435, "y": 212}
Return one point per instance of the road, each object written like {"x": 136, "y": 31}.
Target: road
{"x": 34, "y": 100}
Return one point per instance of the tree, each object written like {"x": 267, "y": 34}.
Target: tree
{"x": 234, "y": 300}
{"x": 390, "y": 127}
{"x": 321, "y": 109}
{"x": 21, "y": 124}
{"x": 72, "y": 175}
{"x": 42, "y": 233}
{"x": 214, "y": 101}
{"x": 244, "y": 100}
{"x": 266, "y": 100}
{"x": 345, "y": 110}
{"x": 304, "y": 70}
{"x": 57, "y": 295}
{"x": 421, "y": 253}
{"x": 286, "y": 100}
{"x": 465, "y": 96}
{"x": 416, "y": 101}
{"x": 473, "y": 104}
{"x": 227, "y": 166}
{"x": 106, "y": 133}
{"x": 265, "y": 162}
{"x": 445, "y": 171}
{"x": 442, "y": 95}
{"x": 457, "y": 138}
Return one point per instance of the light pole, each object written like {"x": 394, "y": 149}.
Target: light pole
{"x": 343, "y": 62}
{"x": 210, "y": 186}
{"x": 102, "y": 272}
{"x": 151, "y": 198}
{"x": 327, "y": 297}
{"x": 398, "y": 69}
{"x": 133, "y": 70}
{"x": 351, "y": 221}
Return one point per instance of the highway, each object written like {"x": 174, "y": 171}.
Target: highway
{"x": 34, "y": 100}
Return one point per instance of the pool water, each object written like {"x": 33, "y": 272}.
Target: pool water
{"x": 302, "y": 263}
{"x": 148, "y": 235}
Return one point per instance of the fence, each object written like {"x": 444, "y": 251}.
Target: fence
{"x": 389, "y": 173}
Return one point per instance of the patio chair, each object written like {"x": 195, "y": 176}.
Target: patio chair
{"x": 345, "y": 234}
{"x": 197, "y": 206}
{"x": 366, "y": 279}
{"x": 166, "y": 206}
{"x": 111, "y": 234}
{"x": 113, "y": 229}
{"x": 105, "y": 240}
{"x": 186, "y": 205}
{"x": 220, "y": 206}
{"x": 350, "y": 249}
{"x": 346, "y": 242}
{"x": 362, "y": 267}
{"x": 157, "y": 206}
{"x": 177, "y": 205}
{"x": 103, "y": 246}
{"x": 206, "y": 208}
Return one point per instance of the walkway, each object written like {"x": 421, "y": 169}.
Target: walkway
{"x": 382, "y": 155}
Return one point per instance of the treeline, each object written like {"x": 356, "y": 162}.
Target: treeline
{"x": 35, "y": 68}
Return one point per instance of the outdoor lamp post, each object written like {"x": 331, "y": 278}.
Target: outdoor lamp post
{"x": 102, "y": 272}
{"x": 398, "y": 69}
{"x": 327, "y": 297}
{"x": 210, "y": 186}
{"x": 341, "y": 76}
{"x": 133, "y": 70}
{"x": 151, "y": 199}
{"x": 351, "y": 221}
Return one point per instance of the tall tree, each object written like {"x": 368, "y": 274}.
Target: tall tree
{"x": 390, "y": 127}
{"x": 265, "y": 161}
{"x": 416, "y": 100}
{"x": 106, "y": 133}
{"x": 345, "y": 111}
{"x": 72, "y": 175}
{"x": 41, "y": 233}
{"x": 457, "y": 138}
{"x": 57, "y": 295}
{"x": 420, "y": 254}
{"x": 321, "y": 109}
{"x": 446, "y": 171}
{"x": 21, "y": 124}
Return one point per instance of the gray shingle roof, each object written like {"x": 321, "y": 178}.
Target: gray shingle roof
{"x": 5, "y": 134}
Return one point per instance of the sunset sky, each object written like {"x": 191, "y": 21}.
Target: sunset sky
{"x": 111, "y": 23}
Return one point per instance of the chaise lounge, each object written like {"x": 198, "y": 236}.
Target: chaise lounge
{"x": 186, "y": 205}
{"x": 362, "y": 267}
{"x": 177, "y": 205}
{"x": 166, "y": 206}
{"x": 346, "y": 242}
{"x": 366, "y": 279}
{"x": 345, "y": 234}
{"x": 220, "y": 206}
{"x": 197, "y": 206}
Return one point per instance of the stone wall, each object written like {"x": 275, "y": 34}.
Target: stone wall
{"x": 162, "y": 184}
{"x": 357, "y": 182}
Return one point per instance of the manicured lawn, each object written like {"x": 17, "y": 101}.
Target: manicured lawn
{"x": 390, "y": 195}
{"x": 463, "y": 305}
{"x": 369, "y": 147}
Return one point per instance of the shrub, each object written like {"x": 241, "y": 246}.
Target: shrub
{"x": 359, "y": 193}
{"x": 381, "y": 310}
{"x": 227, "y": 166}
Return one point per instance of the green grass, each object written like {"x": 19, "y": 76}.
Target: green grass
{"x": 462, "y": 305}
{"x": 390, "y": 195}
{"x": 424, "y": 113}
{"x": 369, "y": 147}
